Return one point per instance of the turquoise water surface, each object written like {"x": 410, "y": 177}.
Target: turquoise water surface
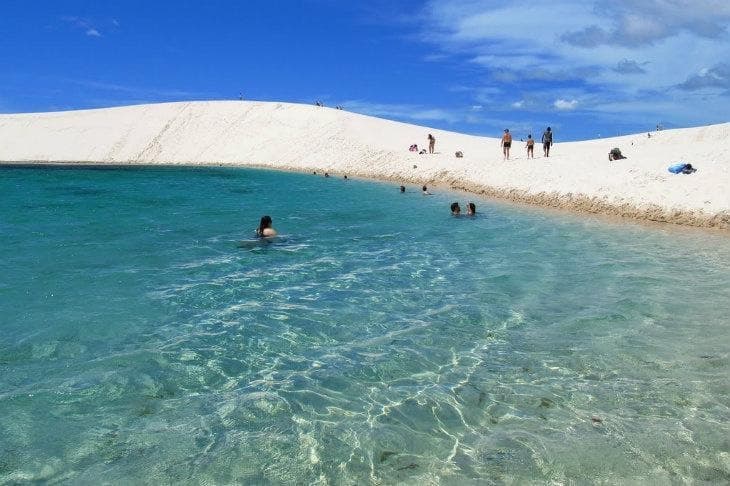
{"x": 379, "y": 340}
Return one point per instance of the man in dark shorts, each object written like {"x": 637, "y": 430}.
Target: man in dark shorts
{"x": 547, "y": 141}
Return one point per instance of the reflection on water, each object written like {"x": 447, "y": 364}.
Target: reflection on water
{"x": 379, "y": 341}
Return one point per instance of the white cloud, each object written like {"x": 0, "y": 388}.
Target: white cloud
{"x": 518, "y": 104}
{"x": 477, "y": 108}
{"x": 82, "y": 24}
{"x": 565, "y": 105}
{"x": 628, "y": 49}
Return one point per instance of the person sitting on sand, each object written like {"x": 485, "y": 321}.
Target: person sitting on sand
{"x": 471, "y": 209}
{"x": 413, "y": 148}
{"x": 530, "y": 147}
{"x": 431, "y": 143}
{"x": 455, "y": 209}
{"x": 265, "y": 229}
{"x": 615, "y": 154}
{"x": 425, "y": 191}
{"x": 506, "y": 143}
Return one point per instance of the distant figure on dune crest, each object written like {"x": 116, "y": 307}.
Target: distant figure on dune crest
{"x": 506, "y": 143}
{"x": 471, "y": 209}
{"x": 547, "y": 141}
{"x": 425, "y": 191}
{"x": 530, "y": 147}
{"x": 431, "y": 143}
{"x": 455, "y": 209}
{"x": 265, "y": 229}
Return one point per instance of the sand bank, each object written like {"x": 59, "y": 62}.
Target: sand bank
{"x": 577, "y": 175}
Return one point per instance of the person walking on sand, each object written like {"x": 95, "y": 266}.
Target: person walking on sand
{"x": 530, "y": 147}
{"x": 431, "y": 143}
{"x": 506, "y": 143}
{"x": 547, "y": 141}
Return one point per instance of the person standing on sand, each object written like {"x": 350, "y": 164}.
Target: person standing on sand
{"x": 547, "y": 142}
{"x": 530, "y": 147}
{"x": 506, "y": 143}
{"x": 431, "y": 143}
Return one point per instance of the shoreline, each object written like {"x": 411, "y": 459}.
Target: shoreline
{"x": 301, "y": 138}
{"x": 559, "y": 203}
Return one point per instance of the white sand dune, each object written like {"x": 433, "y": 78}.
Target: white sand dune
{"x": 577, "y": 175}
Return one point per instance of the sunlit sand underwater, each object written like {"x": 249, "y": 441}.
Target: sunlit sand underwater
{"x": 146, "y": 339}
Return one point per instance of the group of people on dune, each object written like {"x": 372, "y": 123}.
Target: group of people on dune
{"x": 547, "y": 142}
{"x": 505, "y": 143}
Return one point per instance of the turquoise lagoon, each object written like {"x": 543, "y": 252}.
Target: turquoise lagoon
{"x": 378, "y": 341}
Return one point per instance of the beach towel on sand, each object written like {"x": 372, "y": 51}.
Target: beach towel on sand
{"x": 681, "y": 168}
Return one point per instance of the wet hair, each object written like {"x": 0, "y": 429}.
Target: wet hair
{"x": 472, "y": 208}
{"x": 455, "y": 207}
{"x": 265, "y": 223}
{"x": 402, "y": 188}
{"x": 425, "y": 188}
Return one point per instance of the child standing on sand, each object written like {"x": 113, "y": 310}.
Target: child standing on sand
{"x": 530, "y": 147}
{"x": 506, "y": 143}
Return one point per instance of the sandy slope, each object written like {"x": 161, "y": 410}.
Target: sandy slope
{"x": 577, "y": 175}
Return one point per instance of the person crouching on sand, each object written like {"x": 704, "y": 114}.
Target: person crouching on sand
{"x": 506, "y": 143}
{"x": 265, "y": 229}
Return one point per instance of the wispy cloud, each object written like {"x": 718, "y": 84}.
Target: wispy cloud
{"x": 627, "y": 66}
{"x": 717, "y": 76}
{"x": 140, "y": 92}
{"x": 562, "y": 104}
{"x": 82, "y": 24}
{"x": 415, "y": 113}
{"x": 577, "y": 55}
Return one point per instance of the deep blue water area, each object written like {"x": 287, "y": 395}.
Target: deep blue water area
{"x": 147, "y": 337}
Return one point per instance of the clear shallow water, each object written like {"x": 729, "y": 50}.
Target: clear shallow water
{"x": 380, "y": 341}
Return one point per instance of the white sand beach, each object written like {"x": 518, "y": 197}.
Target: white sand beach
{"x": 577, "y": 175}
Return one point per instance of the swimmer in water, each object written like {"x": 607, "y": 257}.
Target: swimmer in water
{"x": 455, "y": 209}
{"x": 471, "y": 209}
{"x": 265, "y": 229}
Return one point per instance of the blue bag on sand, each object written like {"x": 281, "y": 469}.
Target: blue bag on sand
{"x": 677, "y": 168}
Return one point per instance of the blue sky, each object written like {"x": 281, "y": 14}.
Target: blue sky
{"x": 586, "y": 68}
